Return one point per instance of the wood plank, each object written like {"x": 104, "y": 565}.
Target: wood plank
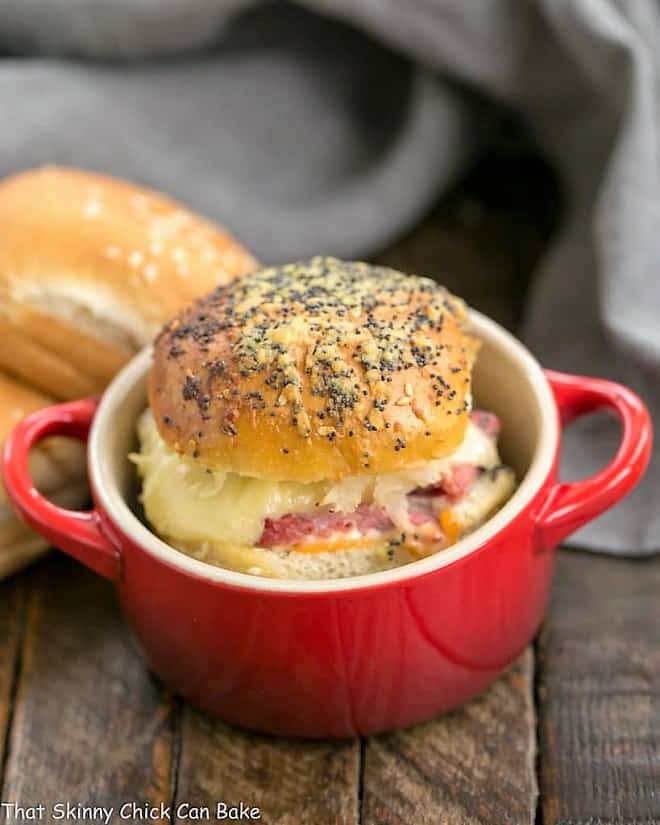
{"x": 599, "y": 693}
{"x": 12, "y": 604}
{"x": 90, "y": 725}
{"x": 290, "y": 781}
{"x": 473, "y": 766}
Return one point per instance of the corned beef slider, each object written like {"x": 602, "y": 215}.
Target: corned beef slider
{"x": 314, "y": 420}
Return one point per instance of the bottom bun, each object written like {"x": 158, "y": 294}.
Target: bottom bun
{"x": 292, "y": 564}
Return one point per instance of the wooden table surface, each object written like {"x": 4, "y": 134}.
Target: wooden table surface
{"x": 570, "y": 734}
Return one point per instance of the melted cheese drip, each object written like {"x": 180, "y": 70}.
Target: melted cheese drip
{"x": 341, "y": 542}
{"x": 187, "y": 503}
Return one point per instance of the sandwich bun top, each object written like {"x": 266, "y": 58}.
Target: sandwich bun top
{"x": 315, "y": 371}
{"x": 90, "y": 268}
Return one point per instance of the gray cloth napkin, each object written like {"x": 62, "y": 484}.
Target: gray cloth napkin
{"x": 306, "y": 135}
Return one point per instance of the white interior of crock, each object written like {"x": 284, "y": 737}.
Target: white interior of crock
{"x": 507, "y": 380}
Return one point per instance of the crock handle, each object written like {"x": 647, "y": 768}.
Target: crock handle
{"x": 570, "y": 505}
{"x": 76, "y": 532}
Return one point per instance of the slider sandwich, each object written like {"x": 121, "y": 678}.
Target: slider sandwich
{"x": 314, "y": 420}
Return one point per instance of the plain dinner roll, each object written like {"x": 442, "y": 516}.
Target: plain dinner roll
{"x": 90, "y": 269}
{"x": 315, "y": 371}
{"x": 57, "y": 466}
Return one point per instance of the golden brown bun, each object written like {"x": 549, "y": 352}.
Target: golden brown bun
{"x": 57, "y": 466}
{"x": 313, "y": 371}
{"x": 90, "y": 269}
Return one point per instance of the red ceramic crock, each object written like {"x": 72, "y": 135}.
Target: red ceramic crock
{"x": 357, "y": 655}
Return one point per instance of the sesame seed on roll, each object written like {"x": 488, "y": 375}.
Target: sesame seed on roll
{"x": 315, "y": 371}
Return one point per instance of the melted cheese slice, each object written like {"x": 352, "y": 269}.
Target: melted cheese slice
{"x": 191, "y": 505}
